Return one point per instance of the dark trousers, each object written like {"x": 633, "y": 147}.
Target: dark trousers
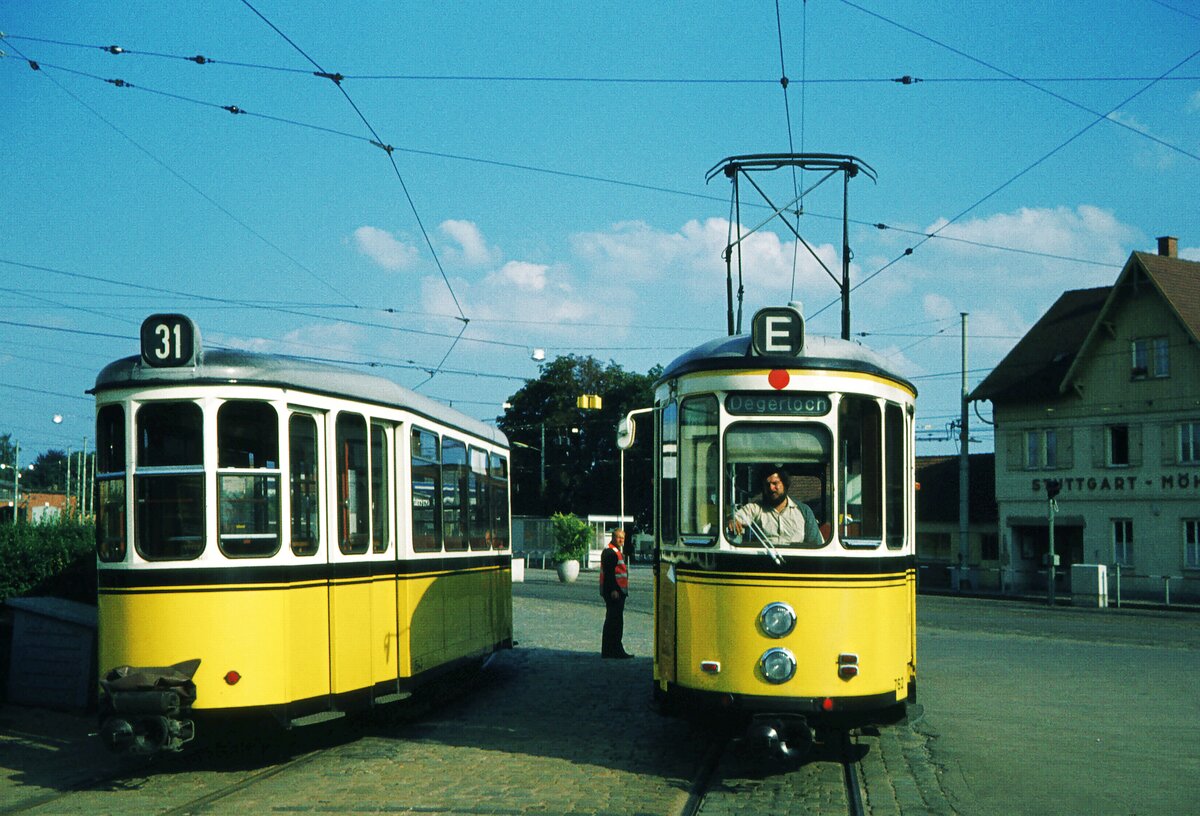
{"x": 614, "y": 625}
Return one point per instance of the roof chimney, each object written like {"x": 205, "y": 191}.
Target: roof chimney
{"x": 1168, "y": 246}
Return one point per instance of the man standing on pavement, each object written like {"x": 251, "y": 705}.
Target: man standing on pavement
{"x": 614, "y": 588}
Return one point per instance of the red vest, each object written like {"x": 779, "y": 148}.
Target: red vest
{"x": 620, "y": 571}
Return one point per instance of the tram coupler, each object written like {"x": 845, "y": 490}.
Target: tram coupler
{"x": 787, "y": 737}
{"x": 141, "y": 708}
{"x": 146, "y": 735}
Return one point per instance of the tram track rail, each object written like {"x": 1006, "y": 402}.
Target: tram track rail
{"x": 69, "y": 798}
{"x": 800, "y": 789}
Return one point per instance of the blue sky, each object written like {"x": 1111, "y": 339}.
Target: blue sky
{"x": 555, "y": 158}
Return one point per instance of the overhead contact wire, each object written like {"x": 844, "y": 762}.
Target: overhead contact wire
{"x": 337, "y": 80}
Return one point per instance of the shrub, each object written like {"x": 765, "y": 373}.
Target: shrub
{"x": 55, "y": 558}
{"x": 571, "y": 537}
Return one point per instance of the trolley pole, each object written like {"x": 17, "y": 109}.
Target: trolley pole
{"x": 845, "y": 257}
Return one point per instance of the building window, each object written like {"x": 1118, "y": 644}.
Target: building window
{"x": 1151, "y": 358}
{"x": 989, "y": 547}
{"x": 1191, "y": 543}
{"x": 1041, "y": 449}
{"x": 1123, "y": 542}
{"x": 1189, "y": 443}
{"x": 1118, "y": 445}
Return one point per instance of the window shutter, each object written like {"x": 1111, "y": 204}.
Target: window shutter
{"x": 1135, "y": 445}
{"x": 1169, "y": 444}
{"x": 1066, "y": 448}
{"x": 1015, "y": 451}
{"x": 1099, "y": 446}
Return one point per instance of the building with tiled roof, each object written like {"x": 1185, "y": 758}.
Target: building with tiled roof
{"x": 1102, "y": 397}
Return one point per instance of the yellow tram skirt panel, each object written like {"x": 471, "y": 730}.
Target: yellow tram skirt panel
{"x": 253, "y": 632}
{"x": 868, "y": 616}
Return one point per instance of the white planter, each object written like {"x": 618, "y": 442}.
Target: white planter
{"x": 568, "y": 571}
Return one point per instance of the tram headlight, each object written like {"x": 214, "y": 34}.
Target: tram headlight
{"x": 777, "y": 619}
{"x": 778, "y": 665}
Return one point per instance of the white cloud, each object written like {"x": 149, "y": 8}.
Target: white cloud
{"x": 525, "y": 276}
{"x": 384, "y": 249}
{"x": 692, "y": 256}
{"x": 472, "y": 248}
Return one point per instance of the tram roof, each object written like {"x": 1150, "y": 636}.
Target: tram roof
{"x": 821, "y": 353}
{"x": 228, "y": 366}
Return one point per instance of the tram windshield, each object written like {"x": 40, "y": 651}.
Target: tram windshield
{"x": 793, "y": 458}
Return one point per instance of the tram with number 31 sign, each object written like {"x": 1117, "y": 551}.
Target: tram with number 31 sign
{"x": 286, "y": 539}
{"x": 758, "y": 439}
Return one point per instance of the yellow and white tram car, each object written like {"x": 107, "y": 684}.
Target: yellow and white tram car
{"x": 285, "y": 538}
{"x": 785, "y": 633}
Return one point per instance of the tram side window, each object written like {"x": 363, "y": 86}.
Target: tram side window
{"x": 800, "y": 450}
{"x": 668, "y": 470}
{"x": 478, "y": 497}
{"x": 860, "y": 430}
{"x": 498, "y": 487}
{"x": 381, "y": 508}
{"x": 426, "y": 492}
{"x": 895, "y": 435}
{"x": 699, "y": 470}
{"x": 168, "y": 485}
{"x": 454, "y": 494}
{"x": 354, "y": 510}
{"x": 248, "y": 479}
{"x": 305, "y": 470}
{"x": 110, "y": 483}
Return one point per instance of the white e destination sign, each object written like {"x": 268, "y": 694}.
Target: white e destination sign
{"x": 777, "y": 330}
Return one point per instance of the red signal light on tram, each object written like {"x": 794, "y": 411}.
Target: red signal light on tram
{"x": 231, "y": 677}
{"x": 827, "y": 704}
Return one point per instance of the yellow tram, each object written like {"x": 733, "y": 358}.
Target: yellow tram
{"x": 285, "y": 538}
{"x": 786, "y": 629}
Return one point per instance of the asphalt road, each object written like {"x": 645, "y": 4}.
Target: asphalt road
{"x": 1027, "y": 710}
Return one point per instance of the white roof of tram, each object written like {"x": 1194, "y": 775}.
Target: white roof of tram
{"x": 227, "y": 366}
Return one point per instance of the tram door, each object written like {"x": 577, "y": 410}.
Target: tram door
{"x": 307, "y": 618}
{"x": 350, "y": 564}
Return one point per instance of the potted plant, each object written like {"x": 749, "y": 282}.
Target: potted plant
{"x": 571, "y": 536}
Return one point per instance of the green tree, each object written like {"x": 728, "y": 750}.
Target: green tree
{"x": 577, "y": 448}
{"x": 49, "y": 472}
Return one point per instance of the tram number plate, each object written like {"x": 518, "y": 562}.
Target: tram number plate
{"x": 168, "y": 340}
{"x": 780, "y": 404}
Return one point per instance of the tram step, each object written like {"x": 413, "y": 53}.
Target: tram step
{"x": 319, "y": 717}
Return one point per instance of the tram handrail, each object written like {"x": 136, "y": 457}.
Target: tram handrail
{"x": 761, "y": 535}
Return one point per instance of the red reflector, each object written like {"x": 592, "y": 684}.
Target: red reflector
{"x": 232, "y": 677}
{"x": 846, "y": 672}
{"x": 827, "y": 704}
{"x": 845, "y": 659}
{"x": 710, "y": 666}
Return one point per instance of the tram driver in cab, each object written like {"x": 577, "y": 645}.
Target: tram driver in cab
{"x": 776, "y": 517}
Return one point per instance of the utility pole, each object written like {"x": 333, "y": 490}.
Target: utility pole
{"x": 964, "y": 479}
{"x": 16, "y": 489}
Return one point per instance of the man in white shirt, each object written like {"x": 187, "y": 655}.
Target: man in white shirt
{"x": 776, "y": 517}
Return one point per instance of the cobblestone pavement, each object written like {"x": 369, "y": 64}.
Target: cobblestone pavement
{"x": 548, "y": 728}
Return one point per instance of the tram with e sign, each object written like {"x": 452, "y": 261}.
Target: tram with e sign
{"x": 785, "y": 579}
{"x": 284, "y": 539}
